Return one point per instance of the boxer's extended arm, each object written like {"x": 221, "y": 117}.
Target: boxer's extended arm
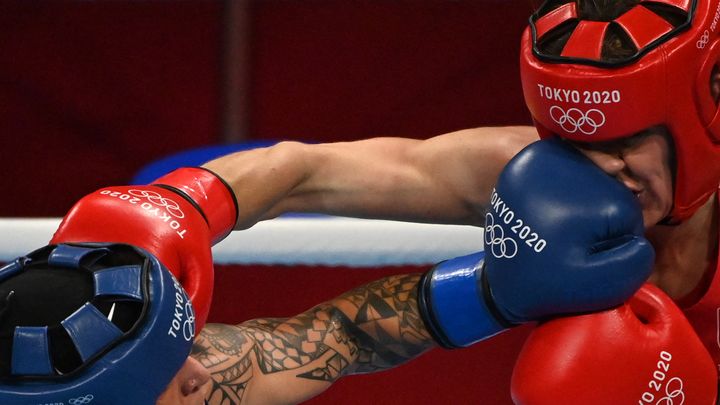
{"x": 284, "y": 361}
{"x": 447, "y": 178}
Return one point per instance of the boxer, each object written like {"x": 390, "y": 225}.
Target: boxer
{"x": 648, "y": 119}
{"x": 121, "y": 325}
{"x": 633, "y": 85}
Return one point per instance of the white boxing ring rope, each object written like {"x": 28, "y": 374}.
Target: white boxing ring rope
{"x": 328, "y": 241}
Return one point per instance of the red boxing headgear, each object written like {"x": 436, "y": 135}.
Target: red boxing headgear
{"x": 578, "y": 96}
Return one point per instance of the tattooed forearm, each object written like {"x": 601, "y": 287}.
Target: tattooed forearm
{"x": 222, "y": 349}
{"x": 384, "y": 321}
{"x": 293, "y": 343}
{"x": 370, "y": 328}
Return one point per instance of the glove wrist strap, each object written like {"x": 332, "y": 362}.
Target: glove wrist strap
{"x": 454, "y": 305}
{"x": 209, "y": 193}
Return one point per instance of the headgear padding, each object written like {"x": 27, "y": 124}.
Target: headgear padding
{"x": 115, "y": 366}
{"x": 579, "y": 96}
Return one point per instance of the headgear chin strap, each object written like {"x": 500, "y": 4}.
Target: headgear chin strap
{"x": 117, "y": 368}
{"x": 578, "y": 96}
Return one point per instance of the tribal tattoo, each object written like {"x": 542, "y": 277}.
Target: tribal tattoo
{"x": 223, "y": 350}
{"x": 384, "y": 321}
{"x": 370, "y": 328}
{"x": 289, "y": 344}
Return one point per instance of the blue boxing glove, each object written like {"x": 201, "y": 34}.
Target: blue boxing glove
{"x": 561, "y": 237}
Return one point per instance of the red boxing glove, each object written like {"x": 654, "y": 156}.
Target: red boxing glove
{"x": 177, "y": 219}
{"x": 644, "y": 352}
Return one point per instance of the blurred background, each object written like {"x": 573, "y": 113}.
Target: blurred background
{"x": 93, "y": 91}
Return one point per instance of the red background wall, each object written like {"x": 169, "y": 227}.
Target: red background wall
{"x": 92, "y": 91}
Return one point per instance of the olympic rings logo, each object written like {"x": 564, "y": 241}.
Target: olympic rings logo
{"x": 170, "y": 205}
{"x": 500, "y": 246}
{"x": 674, "y": 395}
{"x": 189, "y": 324}
{"x": 704, "y": 39}
{"x": 574, "y": 119}
{"x": 81, "y": 400}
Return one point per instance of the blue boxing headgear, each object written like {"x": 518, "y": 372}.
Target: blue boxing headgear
{"x": 116, "y": 362}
